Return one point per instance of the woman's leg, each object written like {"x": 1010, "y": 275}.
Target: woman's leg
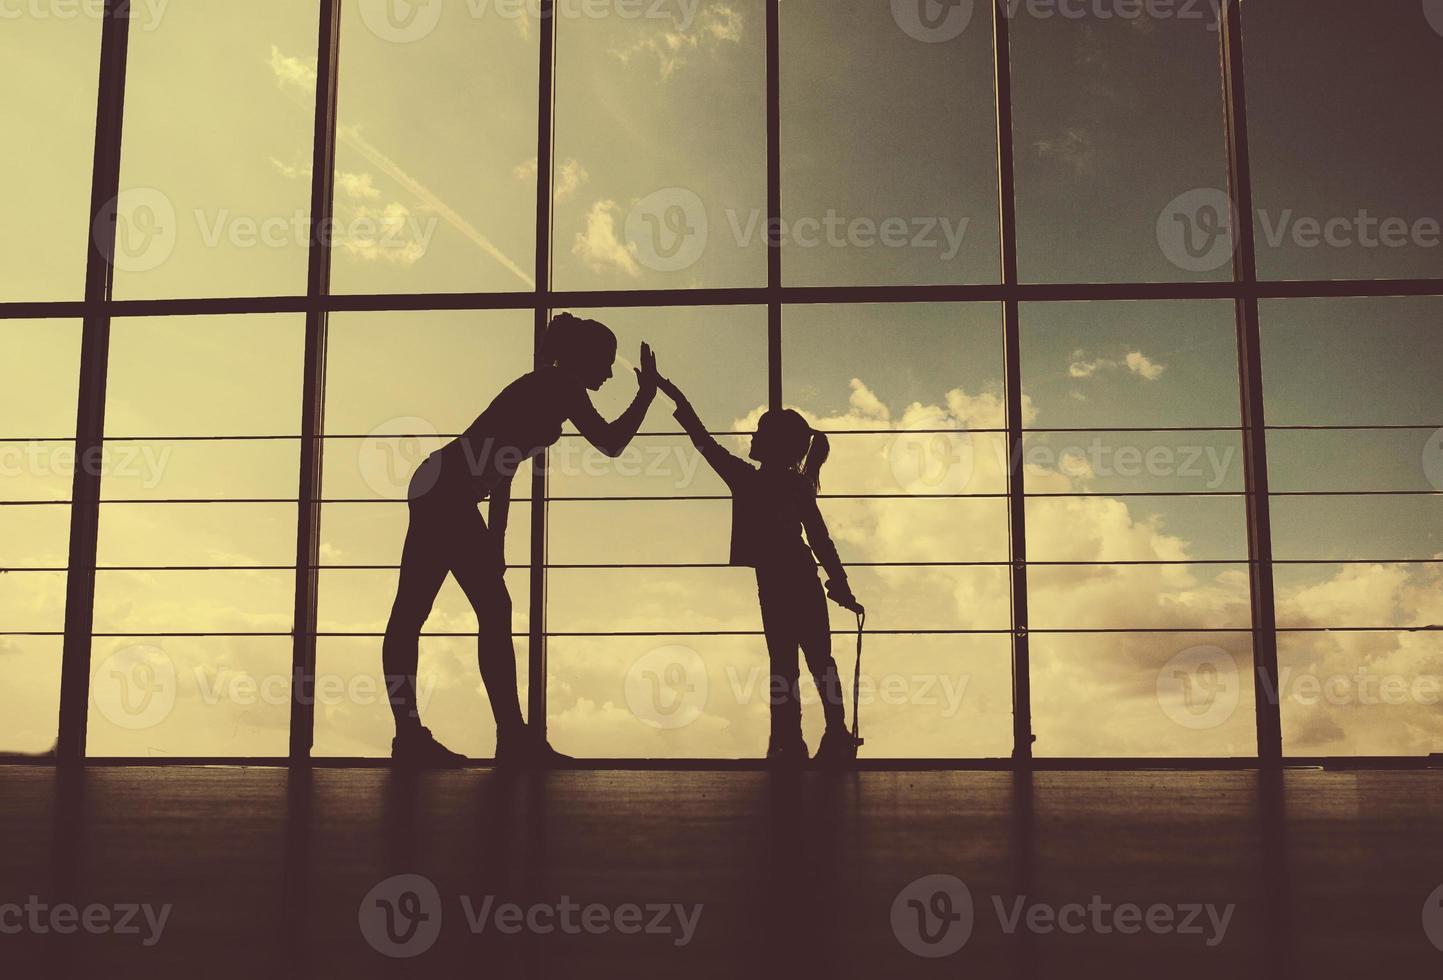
{"x": 423, "y": 570}
{"x": 484, "y": 582}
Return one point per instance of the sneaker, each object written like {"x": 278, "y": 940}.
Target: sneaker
{"x": 524, "y": 749}
{"x": 418, "y": 748}
{"x": 838, "y": 749}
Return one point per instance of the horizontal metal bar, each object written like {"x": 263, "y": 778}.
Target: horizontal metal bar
{"x": 739, "y": 296}
{"x": 975, "y": 764}
{"x": 1087, "y": 429}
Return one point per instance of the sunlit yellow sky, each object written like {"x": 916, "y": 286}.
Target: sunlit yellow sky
{"x": 655, "y": 119}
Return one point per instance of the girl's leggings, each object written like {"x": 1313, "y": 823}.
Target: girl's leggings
{"x": 794, "y": 615}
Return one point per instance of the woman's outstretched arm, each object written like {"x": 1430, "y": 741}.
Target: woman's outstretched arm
{"x": 613, "y": 437}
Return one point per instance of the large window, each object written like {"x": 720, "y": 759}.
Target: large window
{"x": 1124, "y": 327}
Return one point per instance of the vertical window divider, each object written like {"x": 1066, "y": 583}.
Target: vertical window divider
{"x": 774, "y": 206}
{"x": 545, "y": 156}
{"x": 313, "y": 400}
{"x": 90, "y": 411}
{"x": 1250, "y": 382}
{"x": 1022, "y": 736}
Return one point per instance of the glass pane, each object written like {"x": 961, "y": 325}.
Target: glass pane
{"x": 49, "y": 67}
{"x": 1119, "y": 142}
{"x": 1125, "y": 365}
{"x": 1141, "y": 695}
{"x": 858, "y": 82}
{"x": 39, "y": 401}
{"x": 435, "y": 150}
{"x": 706, "y": 697}
{"x": 205, "y": 376}
{"x": 1357, "y": 595}
{"x": 1104, "y": 529}
{"x": 1098, "y": 461}
{"x": 689, "y": 86}
{"x": 1386, "y": 460}
{"x": 1360, "y": 693}
{"x": 30, "y": 696}
{"x": 717, "y": 355}
{"x": 208, "y": 696}
{"x": 353, "y": 714}
{"x": 1372, "y": 528}
{"x": 400, "y": 385}
{"x": 1151, "y": 597}
{"x": 1344, "y": 169}
{"x": 215, "y": 194}
{"x": 204, "y": 534}
{"x": 1353, "y": 361}
{"x": 151, "y": 603}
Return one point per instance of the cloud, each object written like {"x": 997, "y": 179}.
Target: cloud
{"x": 1135, "y": 362}
{"x": 358, "y": 185}
{"x": 600, "y": 247}
{"x": 293, "y": 73}
{"x": 718, "y": 24}
{"x": 569, "y": 176}
{"x": 1074, "y": 148}
{"x": 1139, "y": 364}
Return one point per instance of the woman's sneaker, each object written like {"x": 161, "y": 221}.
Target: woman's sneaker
{"x": 417, "y": 748}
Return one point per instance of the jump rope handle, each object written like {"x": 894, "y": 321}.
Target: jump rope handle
{"x": 857, "y": 674}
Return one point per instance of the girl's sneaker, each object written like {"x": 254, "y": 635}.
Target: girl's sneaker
{"x": 838, "y": 749}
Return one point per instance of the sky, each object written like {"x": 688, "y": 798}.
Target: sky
{"x": 659, "y": 181}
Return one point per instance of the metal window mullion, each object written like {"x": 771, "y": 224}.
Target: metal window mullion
{"x": 90, "y": 411}
{"x": 774, "y": 206}
{"x": 545, "y": 152}
{"x": 1250, "y": 383}
{"x": 318, "y": 285}
{"x": 1022, "y": 737}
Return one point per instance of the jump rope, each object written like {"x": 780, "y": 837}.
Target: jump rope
{"x": 858, "y": 610}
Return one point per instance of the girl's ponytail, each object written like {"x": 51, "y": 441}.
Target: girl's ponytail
{"x": 817, "y": 454}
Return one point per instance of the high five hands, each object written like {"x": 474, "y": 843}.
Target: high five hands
{"x": 646, "y": 376}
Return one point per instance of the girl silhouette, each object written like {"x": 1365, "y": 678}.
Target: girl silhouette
{"x": 771, "y": 507}
{"x": 447, "y": 534}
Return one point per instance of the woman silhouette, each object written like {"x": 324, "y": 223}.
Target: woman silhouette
{"x": 447, "y": 534}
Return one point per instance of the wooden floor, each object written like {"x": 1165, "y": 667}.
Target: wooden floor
{"x": 270, "y": 873}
